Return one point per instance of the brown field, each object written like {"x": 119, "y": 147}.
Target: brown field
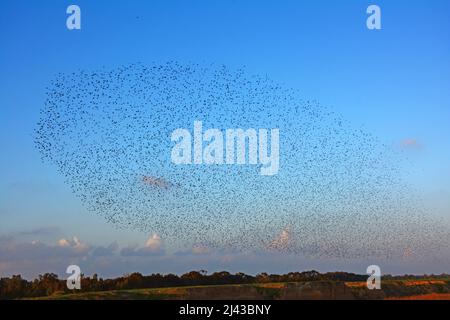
{"x": 356, "y": 284}
{"x": 423, "y": 282}
{"x": 432, "y": 296}
{"x": 429, "y": 289}
{"x": 409, "y": 283}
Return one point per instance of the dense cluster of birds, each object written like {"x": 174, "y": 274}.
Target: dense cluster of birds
{"x": 339, "y": 191}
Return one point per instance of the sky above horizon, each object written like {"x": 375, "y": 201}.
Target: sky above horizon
{"x": 393, "y": 83}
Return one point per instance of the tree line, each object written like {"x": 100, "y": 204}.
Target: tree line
{"x": 49, "y": 283}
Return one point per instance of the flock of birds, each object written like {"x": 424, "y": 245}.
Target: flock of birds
{"x": 339, "y": 191}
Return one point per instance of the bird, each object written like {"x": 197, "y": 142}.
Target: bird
{"x": 339, "y": 190}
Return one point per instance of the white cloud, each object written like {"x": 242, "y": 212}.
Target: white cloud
{"x": 75, "y": 244}
{"x": 282, "y": 241}
{"x": 153, "y": 246}
{"x": 63, "y": 243}
{"x": 15, "y": 251}
{"x": 154, "y": 242}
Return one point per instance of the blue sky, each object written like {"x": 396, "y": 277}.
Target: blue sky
{"x": 393, "y": 82}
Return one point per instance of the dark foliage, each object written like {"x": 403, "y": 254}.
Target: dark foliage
{"x": 49, "y": 283}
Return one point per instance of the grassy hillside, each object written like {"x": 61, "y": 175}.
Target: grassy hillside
{"x": 395, "y": 289}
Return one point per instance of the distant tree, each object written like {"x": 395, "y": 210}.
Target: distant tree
{"x": 14, "y": 287}
{"x": 192, "y": 278}
{"x": 262, "y": 278}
